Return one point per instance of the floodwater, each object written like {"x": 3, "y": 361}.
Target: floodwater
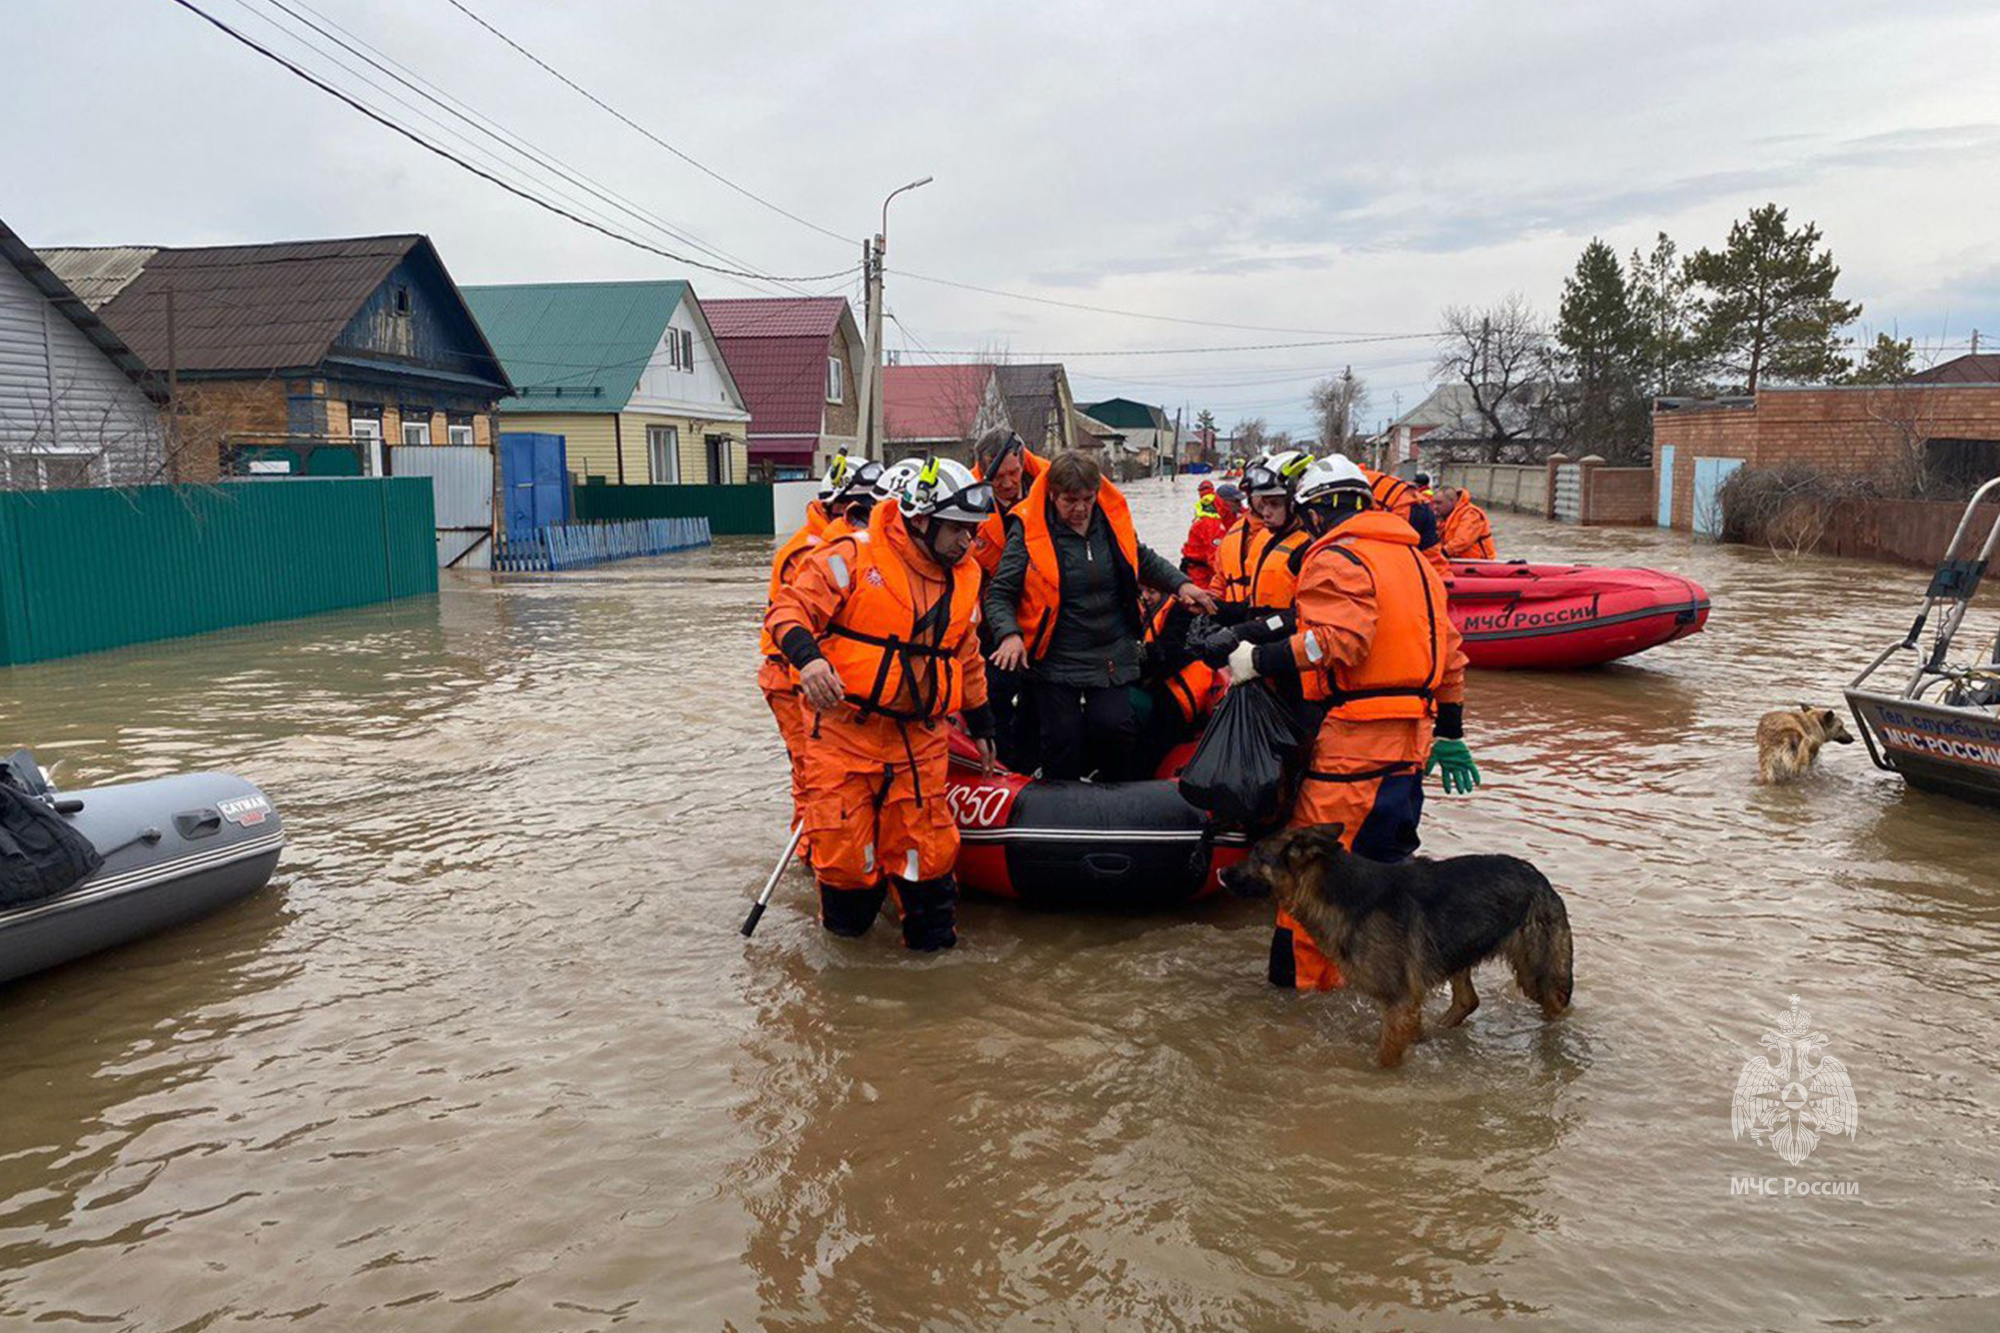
{"x": 490, "y": 1055}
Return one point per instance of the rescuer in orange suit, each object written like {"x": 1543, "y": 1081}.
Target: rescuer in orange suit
{"x": 845, "y": 497}
{"x": 1003, "y": 461}
{"x": 1214, "y": 512}
{"x": 1375, "y": 646}
{"x": 883, "y": 635}
{"x": 1406, "y": 502}
{"x": 1464, "y": 530}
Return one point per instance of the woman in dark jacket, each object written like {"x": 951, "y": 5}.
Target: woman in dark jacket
{"x": 1064, "y": 604}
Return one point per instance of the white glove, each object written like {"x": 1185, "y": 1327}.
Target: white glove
{"x": 1242, "y": 663}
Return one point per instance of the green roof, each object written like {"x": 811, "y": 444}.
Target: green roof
{"x": 574, "y": 346}
{"x": 1123, "y": 413}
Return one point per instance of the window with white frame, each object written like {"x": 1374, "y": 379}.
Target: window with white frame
{"x": 687, "y": 350}
{"x": 836, "y": 377}
{"x": 674, "y": 348}
{"x": 663, "y": 451}
{"x": 416, "y": 432}
{"x": 50, "y": 469}
{"x": 458, "y": 432}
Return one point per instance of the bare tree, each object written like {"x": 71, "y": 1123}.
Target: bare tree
{"x": 1501, "y": 354}
{"x": 1250, "y": 437}
{"x": 1338, "y": 402}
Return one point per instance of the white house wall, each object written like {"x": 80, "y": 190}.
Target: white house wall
{"x": 704, "y": 392}
{"x": 60, "y": 394}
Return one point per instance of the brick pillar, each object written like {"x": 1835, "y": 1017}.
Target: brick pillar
{"x": 1586, "y": 488}
{"x": 1549, "y": 484}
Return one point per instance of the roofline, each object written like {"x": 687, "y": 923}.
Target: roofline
{"x": 492, "y": 357}
{"x": 44, "y": 280}
{"x": 247, "y": 245}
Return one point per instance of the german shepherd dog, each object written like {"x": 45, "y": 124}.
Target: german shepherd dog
{"x": 1789, "y": 740}
{"x": 1398, "y": 930}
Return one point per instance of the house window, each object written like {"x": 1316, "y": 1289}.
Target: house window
{"x": 687, "y": 350}
{"x": 663, "y": 451}
{"x": 402, "y": 300}
{"x": 674, "y": 348}
{"x": 835, "y": 379}
{"x": 458, "y": 432}
{"x": 416, "y": 432}
{"x": 49, "y": 470}
{"x": 367, "y": 433}
{"x": 718, "y": 460}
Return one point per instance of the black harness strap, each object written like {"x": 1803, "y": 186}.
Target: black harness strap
{"x": 1369, "y": 775}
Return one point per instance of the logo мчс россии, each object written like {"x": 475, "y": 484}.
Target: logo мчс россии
{"x": 1796, "y": 1101}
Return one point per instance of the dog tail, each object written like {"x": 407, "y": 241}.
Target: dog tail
{"x": 1785, "y": 758}
{"x": 1540, "y": 950}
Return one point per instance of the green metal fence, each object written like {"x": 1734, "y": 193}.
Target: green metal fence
{"x": 83, "y": 570}
{"x": 731, "y": 511}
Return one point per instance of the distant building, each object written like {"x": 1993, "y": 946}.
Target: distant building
{"x": 628, "y": 373}
{"x": 1040, "y": 406}
{"x": 1148, "y": 430}
{"x": 298, "y": 357}
{"x": 797, "y": 361}
{"x": 1447, "y": 426}
{"x": 77, "y": 406}
{"x": 939, "y": 410}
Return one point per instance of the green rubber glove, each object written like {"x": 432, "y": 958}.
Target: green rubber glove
{"x": 1460, "y": 775}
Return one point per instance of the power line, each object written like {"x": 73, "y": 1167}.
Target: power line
{"x": 1107, "y": 310}
{"x": 482, "y": 173}
{"x": 627, "y": 120}
{"x": 1203, "y": 351}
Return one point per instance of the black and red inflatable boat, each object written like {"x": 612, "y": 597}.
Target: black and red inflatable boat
{"x": 1104, "y": 845}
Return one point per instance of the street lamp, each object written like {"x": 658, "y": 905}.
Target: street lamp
{"x": 871, "y": 383}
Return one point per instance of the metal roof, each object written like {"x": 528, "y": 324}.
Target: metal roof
{"x": 1974, "y": 368}
{"x": 777, "y": 316}
{"x": 575, "y": 346}
{"x": 933, "y": 402}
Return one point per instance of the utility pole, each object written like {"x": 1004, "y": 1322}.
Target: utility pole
{"x": 1175, "y": 468}
{"x": 173, "y": 397}
{"x": 871, "y": 374}
{"x": 1975, "y": 342}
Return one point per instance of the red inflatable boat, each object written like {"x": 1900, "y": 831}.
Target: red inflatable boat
{"x": 1555, "y": 617}
{"x": 1100, "y": 845}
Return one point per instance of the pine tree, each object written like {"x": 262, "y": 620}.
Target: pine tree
{"x": 1599, "y": 341}
{"x": 1767, "y": 309}
{"x": 1663, "y": 309}
{"x": 1888, "y": 362}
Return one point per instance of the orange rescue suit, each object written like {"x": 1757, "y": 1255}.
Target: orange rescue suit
{"x": 990, "y": 541}
{"x": 1190, "y": 687}
{"x": 1041, "y": 590}
{"x": 1401, "y": 499}
{"x": 1467, "y": 534}
{"x": 1375, "y": 642}
{"x": 775, "y": 676}
{"x": 900, "y": 630}
{"x": 1235, "y": 558}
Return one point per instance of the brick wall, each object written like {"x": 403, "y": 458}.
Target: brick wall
{"x": 1905, "y": 532}
{"x": 1700, "y": 432}
{"x": 1621, "y": 496}
{"x": 213, "y": 411}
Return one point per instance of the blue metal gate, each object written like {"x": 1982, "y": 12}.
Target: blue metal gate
{"x": 1665, "y": 466}
{"x": 534, "y": 474}
{"x": 1709, "y": 474}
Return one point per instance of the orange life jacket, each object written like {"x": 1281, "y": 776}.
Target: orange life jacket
{"x": 1041, "y": 590}
{"x": 989, "y": 540}
{"x": 1189, "y": 687}
{"x": 809, "y": 535}
{"x": 897, "y": 658}
{"x": 1392, "y": 492}
{"x": 1236, "y": 557}
{"x": 1274, "y": 578}
{"x": 1467, "y": 534}
{"x": 1406, "y": 659}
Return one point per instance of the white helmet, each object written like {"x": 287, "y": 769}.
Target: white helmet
{"x": 838, "y": 470}
{"x": 1276, "y": 474}
{"x": 1324, "y": 479}
{"x": 947, "y": 490}
{"x": 896, "y": 478}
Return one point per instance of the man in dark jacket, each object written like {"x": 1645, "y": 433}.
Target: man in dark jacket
{"x": 1064, "y": 603}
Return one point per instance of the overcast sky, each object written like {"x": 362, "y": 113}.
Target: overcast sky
{"x": 1331, "y": 168}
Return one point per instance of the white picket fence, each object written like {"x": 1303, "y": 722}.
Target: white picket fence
{"x": 574, "y": 545}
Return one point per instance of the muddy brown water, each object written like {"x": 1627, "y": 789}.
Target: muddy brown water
{"x": 490, "y": 1054}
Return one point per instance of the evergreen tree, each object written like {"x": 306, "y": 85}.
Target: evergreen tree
{"x": 1887, "y": 362}
{"x": 1767, "y": 308}
{"x": 1600, "y": 343}
{"x": 1663, "y": 309}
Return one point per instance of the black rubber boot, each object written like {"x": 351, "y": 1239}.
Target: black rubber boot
{"x": 930, "y": 912}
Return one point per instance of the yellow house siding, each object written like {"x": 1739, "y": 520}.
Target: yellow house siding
{"x": 693, "y": 453}
{"x": 591, "y": 441}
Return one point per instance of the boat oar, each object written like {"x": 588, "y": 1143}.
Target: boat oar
{"x": 771, "y": 884}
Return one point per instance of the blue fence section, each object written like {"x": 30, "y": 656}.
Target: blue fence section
{"x": 574, "y": 545}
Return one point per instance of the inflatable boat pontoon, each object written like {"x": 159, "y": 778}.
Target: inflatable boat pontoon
{"x": 1556, "y": 617}
{"x": 174, "y": 849}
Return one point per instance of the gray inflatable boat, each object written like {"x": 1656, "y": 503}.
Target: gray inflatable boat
{"x": 174, "y": 849}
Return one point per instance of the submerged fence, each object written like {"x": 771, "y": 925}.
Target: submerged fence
{"x": 574, "y": 545}
{"x": 82, "y": 570}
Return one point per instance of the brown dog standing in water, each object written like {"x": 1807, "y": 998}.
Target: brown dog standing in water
{"x": 1398, "y": 930}
{"x": 1789, "y": 740}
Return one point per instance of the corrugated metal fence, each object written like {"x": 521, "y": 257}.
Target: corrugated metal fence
{"x": 574, "y": 545}
{"x": 731, "y": 511}
{"x": 82, "y": 570}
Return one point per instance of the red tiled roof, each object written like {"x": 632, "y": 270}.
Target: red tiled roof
{"x": 932, "y": 402}
{"x": 777, "y": 348}
{"x": 775, "y": 316}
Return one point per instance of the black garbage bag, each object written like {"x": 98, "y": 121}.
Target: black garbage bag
{"x": 1241, "y": 773}
{"x": 40, "y": 854}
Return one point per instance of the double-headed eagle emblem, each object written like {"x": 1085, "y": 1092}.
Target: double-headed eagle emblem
{"x": 1797, "y": 1100}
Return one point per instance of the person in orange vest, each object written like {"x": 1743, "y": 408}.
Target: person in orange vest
{"x": 1400, "y": 498}
{"x": 1065, "y": 606}
{"x": 1235, "y": 552}
{"x": 842, "y": 506}
{"x": 881, "y": 633}
{"x": 1375, "y": 646}
{"x": 1001, "y": 459}
{"x": 1214, "y": 512}
{"x": 1465, "y": 531}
